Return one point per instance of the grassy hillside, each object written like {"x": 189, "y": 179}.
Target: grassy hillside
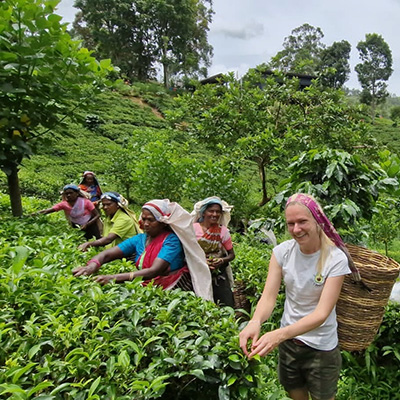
{"x": 387, "y": 134}
{"x": 124, "y": 136}
{"x": 91, "y": 142}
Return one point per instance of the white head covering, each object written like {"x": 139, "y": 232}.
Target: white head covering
{"x": 200, "y": 206}
{"x": 198, "y": 213}
{"x": 180, "y": 221}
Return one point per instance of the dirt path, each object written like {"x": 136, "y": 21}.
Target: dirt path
{"x": 143, "y": 104}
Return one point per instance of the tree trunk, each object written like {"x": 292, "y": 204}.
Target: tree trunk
{"x": 128, "y": 192}
{"x": 373, "y": 110}
{"x": 165, "y": 69}
{"x": 14, "y": 192}
{"x": 265, "y": 198}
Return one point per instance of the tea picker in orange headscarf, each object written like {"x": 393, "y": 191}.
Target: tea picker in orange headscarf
{"x": 90, "y": 184}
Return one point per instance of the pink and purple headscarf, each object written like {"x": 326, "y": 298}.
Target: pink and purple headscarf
{"x": 326, "y": 225}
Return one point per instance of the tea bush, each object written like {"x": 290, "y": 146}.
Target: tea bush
{"x": 369, "y": 374}
{"x": 69, "y": 338}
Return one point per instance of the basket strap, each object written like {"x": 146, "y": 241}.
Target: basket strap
{"x": 355, "y": 273}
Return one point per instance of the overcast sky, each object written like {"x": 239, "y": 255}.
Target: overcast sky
{"x": 245, "y": 33}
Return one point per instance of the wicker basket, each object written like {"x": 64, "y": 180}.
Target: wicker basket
{"x": 359, "y": 311}
{"x": 240, "y": 297}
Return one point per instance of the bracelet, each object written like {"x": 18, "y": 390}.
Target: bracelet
{"x": 131, "y": 275}
{"x": 93, "y": 260}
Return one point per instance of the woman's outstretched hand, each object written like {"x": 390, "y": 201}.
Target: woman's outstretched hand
{"x": 104, "y": 279}
{"x": 85, "y": 270}
{"x": 266, "y": 343}
{"x": 84, "y": 246}
{"x": 251, "y": 332}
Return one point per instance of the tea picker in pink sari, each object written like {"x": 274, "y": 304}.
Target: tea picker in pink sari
{"x": 211, "y": 217}
{"x": 79, "y": 211}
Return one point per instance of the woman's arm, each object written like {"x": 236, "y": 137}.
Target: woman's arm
{"x": 46, "y": 211}
{"x": 329, "y": 296}
{"x": 98, "y": 260}
{"x": 264, "y": 307}
{"x": 95, "y": 215}
{"x": 159, "y": 267}
{"x": 104, "y": 241}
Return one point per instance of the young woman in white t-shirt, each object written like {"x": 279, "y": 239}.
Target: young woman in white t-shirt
{"x": 312, "y": 265}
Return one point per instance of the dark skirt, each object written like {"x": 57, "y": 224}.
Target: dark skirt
{"x": 222, "y": 291}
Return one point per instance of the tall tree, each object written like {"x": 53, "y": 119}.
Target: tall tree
{"x": 180, "y": 29}
{"x": 138, "y": 34}
{"x": 374, "y": 70}
{"x": 334, "y": 64}
{"x": 42, "y": 71}
{"x": 120, "y": 30}
{"x": 268, "y": 121}
{"x": 301, "y": 51}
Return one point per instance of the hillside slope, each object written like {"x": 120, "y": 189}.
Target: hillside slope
{"x": 93, "y": 141}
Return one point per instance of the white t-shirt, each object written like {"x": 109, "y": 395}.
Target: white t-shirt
{"x": 303, "y": 290}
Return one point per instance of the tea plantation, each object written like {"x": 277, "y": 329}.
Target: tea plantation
{"x": 69, "y": 338}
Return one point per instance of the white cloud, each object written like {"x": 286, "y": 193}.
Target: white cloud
{"x": 250, "y": 30}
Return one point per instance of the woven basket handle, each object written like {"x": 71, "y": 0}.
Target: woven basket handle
{"x": 355, "y": 273}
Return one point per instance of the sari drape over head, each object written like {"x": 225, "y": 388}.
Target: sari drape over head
{"x": 180, "y": 221}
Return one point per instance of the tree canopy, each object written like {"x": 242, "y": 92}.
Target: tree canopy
{"x": 268, "y": 120}
{"x": 301, "y": 51}
{"x": 304, "y": 53}
{"x": 374, "y": 70}
{"x": 139, "y": 35}
{"x": 334, "y": 64}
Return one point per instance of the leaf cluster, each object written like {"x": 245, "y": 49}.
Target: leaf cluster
{"x": 372, "y": 373}
{"x": 346, "y": 186}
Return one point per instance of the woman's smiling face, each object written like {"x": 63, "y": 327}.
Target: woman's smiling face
{"x": 303, "y": 228}
{"x": 212, "y": 214}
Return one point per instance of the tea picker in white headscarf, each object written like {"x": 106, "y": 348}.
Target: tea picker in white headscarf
{"x": 211, "y": 217}
{"x": 167, "y": 253}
